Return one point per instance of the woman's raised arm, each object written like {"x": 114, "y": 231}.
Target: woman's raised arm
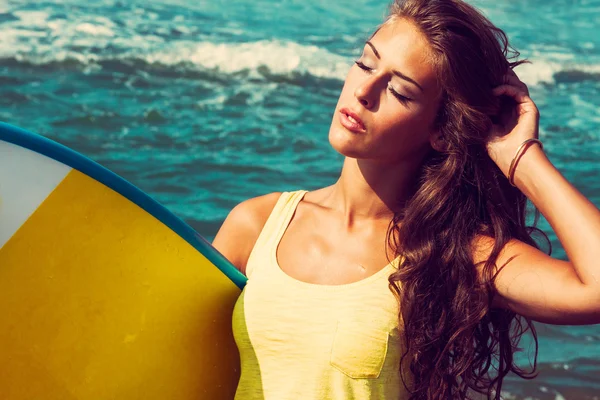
{"x": 530, "y": 282}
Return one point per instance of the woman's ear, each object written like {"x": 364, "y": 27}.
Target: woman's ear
{"x": 437, "y": 142}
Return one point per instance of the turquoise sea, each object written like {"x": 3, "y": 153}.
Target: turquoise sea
{"x": 203, "y": 104}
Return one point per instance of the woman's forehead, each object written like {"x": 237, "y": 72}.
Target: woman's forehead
{"x": 400, "y": 44}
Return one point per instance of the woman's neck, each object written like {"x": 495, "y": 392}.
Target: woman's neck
{"x": 371, "y": 191}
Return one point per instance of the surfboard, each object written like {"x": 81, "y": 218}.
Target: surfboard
{"x": 104, "y": 293}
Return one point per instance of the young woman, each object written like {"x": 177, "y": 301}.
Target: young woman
{"x": 412, "y": 275}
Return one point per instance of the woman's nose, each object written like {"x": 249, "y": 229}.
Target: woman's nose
{"x": 366, "y": 93}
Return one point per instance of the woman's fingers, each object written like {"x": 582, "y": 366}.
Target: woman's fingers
{"x": 513, "y": 91}
{"x": 525, "y": 104}
{"x": 512, "y": 79}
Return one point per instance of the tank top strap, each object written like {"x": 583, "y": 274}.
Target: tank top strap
{"x": 273, "y": 229}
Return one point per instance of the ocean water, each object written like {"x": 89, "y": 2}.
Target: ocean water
{"x": 203, "y": 104}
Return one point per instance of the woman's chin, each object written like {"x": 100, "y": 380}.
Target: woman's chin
{"x": 345, "y": 145}
{"x": 347, "y": 150}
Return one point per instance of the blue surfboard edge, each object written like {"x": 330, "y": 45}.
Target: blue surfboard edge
{"x": 56, "y": 151}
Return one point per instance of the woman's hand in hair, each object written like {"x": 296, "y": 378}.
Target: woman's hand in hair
{"x": 517, "y": 121}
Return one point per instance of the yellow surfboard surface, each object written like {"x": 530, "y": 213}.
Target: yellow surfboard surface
{"x": 101, "y": 300}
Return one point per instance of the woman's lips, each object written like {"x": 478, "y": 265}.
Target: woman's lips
{"x": 351, "y": 121}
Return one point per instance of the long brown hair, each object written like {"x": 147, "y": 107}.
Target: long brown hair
{"x": 456, "y": 342}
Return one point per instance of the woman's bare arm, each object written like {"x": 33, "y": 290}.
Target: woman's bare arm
{"x": 536, "y": 285}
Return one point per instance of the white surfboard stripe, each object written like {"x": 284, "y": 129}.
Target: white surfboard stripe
{"x": 26, "y": 179}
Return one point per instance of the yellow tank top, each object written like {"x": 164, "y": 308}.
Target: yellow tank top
{"x": 299, "y": 340}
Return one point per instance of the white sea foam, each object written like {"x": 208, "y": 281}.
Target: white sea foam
{"x": 273, "y": 56}
{"x": 544, "y": 71}
{"x": 95, "y": 30}
{"x": 548, "y": 60}
{"x": 38, "y": 39}
{"x": 538, "y": 72}
{"x": 32, "y": 18}
{"x": 279, "y": 58}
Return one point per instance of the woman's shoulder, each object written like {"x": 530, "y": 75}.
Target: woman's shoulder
{"x": 254, "y": 212}
{"x": 240, "y": 230}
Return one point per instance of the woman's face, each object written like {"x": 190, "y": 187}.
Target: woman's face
{"x": 389, "y": 101}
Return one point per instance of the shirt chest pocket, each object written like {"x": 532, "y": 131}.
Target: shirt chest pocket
{"x": 359, "y": 352}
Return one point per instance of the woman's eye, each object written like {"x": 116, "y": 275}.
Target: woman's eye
{"x": 402, "y": 99}
{"x": 362, "y": 66}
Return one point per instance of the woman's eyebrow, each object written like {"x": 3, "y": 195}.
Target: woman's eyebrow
{"x": 397, "y": 73}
